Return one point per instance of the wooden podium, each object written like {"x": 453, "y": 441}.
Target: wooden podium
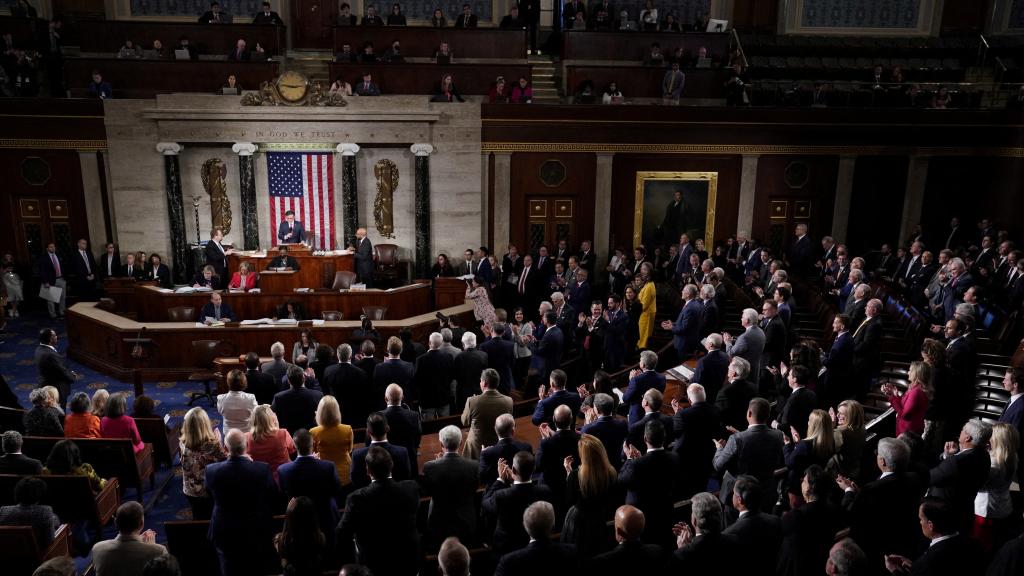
{"x": 314, "y": 271}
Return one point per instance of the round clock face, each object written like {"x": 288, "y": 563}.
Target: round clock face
{"x": 292, "y": 86}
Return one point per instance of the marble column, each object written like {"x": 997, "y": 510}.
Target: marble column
{"x": 603, "y": 203}
{"x": 485, "y": 179}
{"x": 423, "y": 256}
{"x": 748, "y": 191}
{"x": 349, "y": 192}
{"x": 913, "y": 199}
{"x": 179, "y": 260}
{"x": 247, "y": 191}
{"x": 844, "y": 193}
{"x": 502, "y": 197}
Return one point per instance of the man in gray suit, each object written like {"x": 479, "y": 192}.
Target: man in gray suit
{"x": 756, "y": 451}
{"x": 127, "y": 554}
{"x": 364, "y": 258}
{"x": 481, "y": 412}
{"x": 276, "y": 368}
{"x": 748, "y": 345}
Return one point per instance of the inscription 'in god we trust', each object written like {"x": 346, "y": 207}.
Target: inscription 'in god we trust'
{"x": 299, "y": 134}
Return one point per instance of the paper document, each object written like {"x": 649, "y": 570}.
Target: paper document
{"x": 51, "y": 294}
{"x": 681, "y": 372}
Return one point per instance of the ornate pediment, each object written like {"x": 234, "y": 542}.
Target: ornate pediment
{"x": 292, "y": 89}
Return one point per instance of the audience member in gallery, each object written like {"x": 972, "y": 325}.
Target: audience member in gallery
{"x": 244, "y": 279}
{"x": 129, "y": 50}
{"x": 443, "y": 54}
{"x": 44, "y": 418}
{"x": 498, "y": 92}
{"x": 366, "y": 87}
{"x": 13, "y": 461}
{"x": 396, "y": 18}
{"x": 236, "y": 405}
{"x": 66, "y": 459}
{"x": 200, "y": 445}
{"x": 332, "y": 440}
{"x": 371, "y": 18}
{"x": 80, "y": 423}
{"x": 27, "y": 510}
{"x": 345, "y": 16}
{"x": 118, "y": 424}
{"x": 267, "y": 16}
{"x": 437, "y": 19}
{"x": 522, "y": 92}
{"x": 266, "y": 442}
{"x": 446, "y": 91}
{"x": 341, "y": 87}
{"x": 215, "y": 15}
{"x": 98, "y": 87}
{"x": 240, "y": 53}
{"x": 467, "y": 19}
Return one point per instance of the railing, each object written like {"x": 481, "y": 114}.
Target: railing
{"x": 976, "y": 95}
{"x": 983, "y": 48}
{"x": 739, "y": 47}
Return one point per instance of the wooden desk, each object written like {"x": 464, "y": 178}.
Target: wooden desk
{"x": 449, "y": 292}
{"x": 109, "y": 36}
{"x": 152, "y": 304}
{"x": 600, "y": 45}
{"x": 645, "y": 81}
{"x": 470, "y": 79}
{"x": 96, "y": 339}
{"x": 423, "y": 41}
{"x": 314, "y": 271}
{"x": 122, "y": 292}
{"x": 147, "y": 78}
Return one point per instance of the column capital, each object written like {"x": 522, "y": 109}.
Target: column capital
{"x": 421, "y": 149}
{"x": 348, "y": 149}
{"x": 244, "y": 148}
{"x": 168, "y": 148}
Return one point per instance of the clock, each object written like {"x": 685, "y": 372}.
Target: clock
{"x": 292, "y": 86}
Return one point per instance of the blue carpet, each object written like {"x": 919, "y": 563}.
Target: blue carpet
{"x": 17, "y": 347}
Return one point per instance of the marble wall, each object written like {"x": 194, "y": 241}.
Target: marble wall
{"x": 191, "y": 161}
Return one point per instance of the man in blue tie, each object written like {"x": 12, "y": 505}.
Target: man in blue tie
{"x": 291, "y": 231}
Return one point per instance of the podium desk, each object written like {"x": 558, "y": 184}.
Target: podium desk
{"x": 314, "y": 271}
{"x": 122, "y": 292}
{"x": 449, "y": 292}
{"x": 280, "y": 282}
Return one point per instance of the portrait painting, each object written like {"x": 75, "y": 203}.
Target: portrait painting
{"x": 669, "y": 204}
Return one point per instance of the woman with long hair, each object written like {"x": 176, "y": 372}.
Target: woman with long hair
{"x": 66, "y": 459}
{"x": 300, "y": 544}
{"x": 992, "y": 505}
{"x": 939, "y": 409}
{"x": 592, "y": 495}
{"x": 332, "y": 439}
{"x": 442, "y": 268}
{"x": 267, "y": 441}
{"x": 648, "y": 298}
{"x": 818, "y": 448}
{"x": 200, "y": 445}
{"x": 634, "y": 310}
{"x": 118, "y": 424}
{"x": 851, "y": 435}
{"x": 305, "y": 346}
{"x": 911, "y": 405}
{"x": 521, "y": 327}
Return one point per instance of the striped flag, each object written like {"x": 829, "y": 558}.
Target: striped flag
{"x": 304, "y": 183}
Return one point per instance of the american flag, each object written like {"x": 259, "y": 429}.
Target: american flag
{"x": 303, "y": 183}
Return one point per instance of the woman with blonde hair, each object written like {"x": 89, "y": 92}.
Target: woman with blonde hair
{"x": 818, "y": 448}
{"x": 592, "y": 494}
{"x": 912, "y": 404}
{"x": 992, "y": 505}
{"x": 851, "y": 435}
{"x": 648, "y": 298}
{"x": 244, "y": 279}
{"x": 98, "y": 406}
{"x": 267, "y": 441}
{"x": 200, "y": 445}
{"x": 332, "y": 439}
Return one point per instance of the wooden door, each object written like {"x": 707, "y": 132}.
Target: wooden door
{"x": 313, "y": 24}
{"x": 785, "y": 213}
{"x": 41, "y": 220}
{"x": 550, "y": 219}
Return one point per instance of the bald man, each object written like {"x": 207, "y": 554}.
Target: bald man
{"x": 364, "y": 258}
{"x": 630, "y": 555}
{"x": 557, "y": 442}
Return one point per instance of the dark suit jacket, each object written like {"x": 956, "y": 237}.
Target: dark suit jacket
{"x": 20, "y": 464}
{"x": 286, "y": 262}
{"x": 500, "y": 356}
{"x": 801, "y": 256}
{"x": 451, "y": 482}
{"x": 243, "y": 494}
{"x": 348, "y": 384}
{"x": 394, "y": 371}
{"x": 710, "y": 318}
{"x": 867, "y": 349}
{"x": 271, "y": 18}
{"x": 435, "y": 371}
{"x": 506, "y": 504}
{"x": 1009, "y": 559}
{"x": 317, "y": 480}
{"x": 47, "y": 273}
{"x": 706, "y": 554}
{"x": 399, "y": 456}
{"x": 958, "y": 478}
{"x": 883, "y": 516}
{"x": 839, "y": 364}
{"x": 775, "y": 350}
{"x": 80, "y": 269}
{"x": 298, "y": 233}
{"x": 469, "y": 364}
{"x": 380, "y": 520}
{"x": 137, "y": 271}
{"x": 632, "y": 557}
{"x": 636, "y": 430}
{"x": 756, "y": 451}
{"x": 225, "y": 312}
{"x": 758, "y": 538}
{"x": 545, "y": 410}
{"x": 651, "y": 483}
{"x": 162, "y": 275}
{"x": 296, "y": 408}
{"x": 364, "y": 261}
{"x": 506, "y": 448}
{"x": 52, "y": 369}
{"x": 116, "y": 268}
{"x": 262, "y": 386}
{"x": 277, "y": 369}
{"x": 807, "y": 535}
{"x": 612, "y": 432}
{"x": 404, "y": 430}
{"x": 539, "y": 558}
{"x": 797, "y": 410}
{"x": 686, "y": 328}
{"x": 711, "y": 371}
{"x": 464, "y": 21}
{"x": 634, "y": 394}
{"x": 732, "y": 402}
{"x": 215, "y": 257}
{"x": 549, "y": 351}
{"x": 551, "y": 462}
{"x": 236, "y": 56}
{"x": 615, "y": 340}
{"x": 958, "y": 555}
{"x": 695, "y": 429}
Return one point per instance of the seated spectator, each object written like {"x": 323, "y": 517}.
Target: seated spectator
{"x": 612, "y": 94}
{"x": 118, "y": 424}
{"x": 602, "y": 20}
{"x": 127, "y": 554}
{"x": 267, "y": 16}
{"x": 208, "y": 277}
{"x": 266, "y": 442}
{"x": 332, "y": 440}
{"x": 467, "y": 19}
{"x": 345, "y": 16}
{"x": 156, "y": 51}
{"x": 13, "y": 461}
{"x": 129, "y": 50}
{"x": 98, "y": 406}
{"x": 98, "y": 87}
{"x": 736, "y": 89}
{"x": 672, "y": 84}
{"x": 446, "y": 91}
{"x": 215, "y": 15}
{"x": 367, "y": 55}
{"x": 654, "y": 56}
{"x": 396, "y": 18}
{"x": 143, "y": 407}
{"x": 193, "y": 54}
{"x": 585, "y": 92}
{"x": 44, "y": 418}
{"x": 443, "y": 54}
{"x": 579, "y": 21}
{"x": 80, "y": 423}
{"x": 66, "y": 459}
{"x": 346, "y": 54}
{"x": 371, "y": 18}
{"x": 670, "y": 24}
{"x": 522, "y": 93}
{"x": 341, "y": 87}
{"x": 301, "y": 543}
{"x": 27, "y": 511}
{"x": 941, "y": 99}
{"x": 539, "y": 520}
{"x": 200, "y": 445}
{"x": 236, "y": 405}
{"x": 244, "y": 279}
{"x": 437, "y": 19}
{"x": 394, "y": 54}
{"x": 240, "y": 53}
{"x": 511, "y": 20}
{"x": 296, "y": 406}
{"x": 649, "y": 17}
{"x": 366, "y": 87}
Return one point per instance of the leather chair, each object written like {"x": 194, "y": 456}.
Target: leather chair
{"x": 181, "y": 314}
{"x": 332, "y": 315}
{"x": 343, "y": 280}
{"x": 385, "y": 270}
{"x": 375, "y": 312}
{"x": 204, "y": 352}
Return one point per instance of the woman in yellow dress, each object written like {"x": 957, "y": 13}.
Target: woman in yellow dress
{"x": 648, "y": 298}
{"x": 332, "y": 439}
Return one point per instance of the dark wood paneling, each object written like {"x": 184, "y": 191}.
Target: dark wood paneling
{"x": 964, "y": 17}
{"x": 314, "y": 271}
{"x": 580, "y": 173}
{"x": 876, "y": 207}
{"x": 625, "y": 167}
{"x": 593, "y": 45}
{"x": 973, "y": 188}
{"x": 819, "y": 189}
{"x": 25, "y": 33}
{"x": 147, "y": 78}
{"x": 422, "y": 41}
{"x": 755, "y": 16}
{"x": 313, "y": 23}
{"x": 109, "y": 35}
{"x": 424, "y": 78}
{"x": 645, "y": 81}
{"x": 53, "y": 119}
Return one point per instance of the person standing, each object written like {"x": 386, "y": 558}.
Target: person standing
{"x": 481, "y": 413}
{"x": 50, "y": 364}
{"x": 51, "y": 273}
{"x": 364, "y": 258}
{"x": 217, "y": 256}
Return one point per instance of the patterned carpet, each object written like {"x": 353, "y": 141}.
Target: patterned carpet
{"x": 17, "y": 346}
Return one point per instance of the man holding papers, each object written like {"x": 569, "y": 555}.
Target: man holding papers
{"x": 216, "y": 310}
{"x": 54, "y": 288}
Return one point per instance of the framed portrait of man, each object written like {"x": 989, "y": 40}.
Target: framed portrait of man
{"x": 669, "y": 204}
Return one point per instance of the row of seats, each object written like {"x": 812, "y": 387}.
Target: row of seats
{"x": 921, "y": 47}
{"x": 851, "y": 68}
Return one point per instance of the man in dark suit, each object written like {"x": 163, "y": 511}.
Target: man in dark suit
{"x": 838, "y": 363}
{"x": 507, "y": 499}
{"x": 500, "y": 354}
{"x": 630, "y": 555}
{"x": 548, "y": 351}
{"x": 609, "y": 429}
{"x": 775, "y": 350}
{"x": 757, "y": 452}
{"x": 380, "y": 520}
{"x": 291, "y": 230}
{"x": 867, "y": 347}
{"x": 710, "y": 320}
{"x": 52, "y": 270}
{"x": 590, "y": 334}
{"x": 296, "y": 407}
{"x": 283, "y": 260}
{"x": 541, "y": 553}
{"x": 267, "y": 16}
{"x": 132, "y": 269}
{"x": 506, "y": 449}
{"x": 530, "y": 282}
{"x": 578, "y": 295}
{"x": 277, "y": 368}
{"x": 217, "y": 256}
{"x": 259, "y": 384}
{"x": 734, "y": 398}
{"x": 951, "y": 551}
{"x": 801, "y": 402}
{"x": 758, "y": 534}
{"x": 404, "y": 425}
{"x": 348, "y": 383}
{"x": 962, "y": 471}
{"x": 713, "y": 367}
{"x": 640, "y": 381}
{"x": 435, "y": 371}
{"x": 315, "y": 479}
{"x": 587, "y": 259}
{"x": 467, "y": 19}
{"x": 702, "y": 548}
{"x": 451, "y": 482}
{"x": 13, "y": 461}
{"x": 51, "y": 367}
{"x": 695, "y": 429}
{"x": 651, "y": 483}
{"x": 615, "y": 333}
{"x": 556, "y": 444}
{"x": 557, "y": 396}
{"x": 110, "y": 263}
{"x": 243, "y": 493}
{"x": 468, "y": 366}
{"x": 215, "y": 15}
{"x": 651, "y": 404}
{"x": 217, "y": 309}
{"x": 962, "y": 360}
{"x": 393, "y": 370}
{"x": 483, "y": 269}
{"x": 801, "y": 252}
{"x": 1013, "y": 414}
{"x": 377, "y": 430}
{"x": 364, "y": 258}
{"x": 686, "y": 328}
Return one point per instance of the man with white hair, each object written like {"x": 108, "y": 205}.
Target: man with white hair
{"x": 867, "y": 347}
{"x": 565, "y": 318}
{"x": 505, "y": 449}
{"x": 733, "y": 399}
{"x": 278, "y": 367}
{"x": 434, "y": 372}
{"x": 749, "y": 345}
{"x": 953, "y": 292}
{"x": 640, "y": 381}
{"x": 468, "y": 366}
{"x": 710, "y": 320}
{"x": 857, "y": 303}
{"x": 847, "y": 559}
{"x": 702, "y": 548}
{"x": 481, "y": 412}
{"x": 451, "y": 482}
{"x": 453, "y": 558}
{"x": 348, "y": 383}
{"x": 963, "y": 471}
{"x": 541, "y": 554}
{"x": 696, "y": 428}
{"x": 712, "y": 367}
{"x": 404, "y": 428}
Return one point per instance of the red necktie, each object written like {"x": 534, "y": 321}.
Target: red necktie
{"x": 56, "y": 264}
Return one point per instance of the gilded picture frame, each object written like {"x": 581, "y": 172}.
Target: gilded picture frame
{"x": 655, "y": 198}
